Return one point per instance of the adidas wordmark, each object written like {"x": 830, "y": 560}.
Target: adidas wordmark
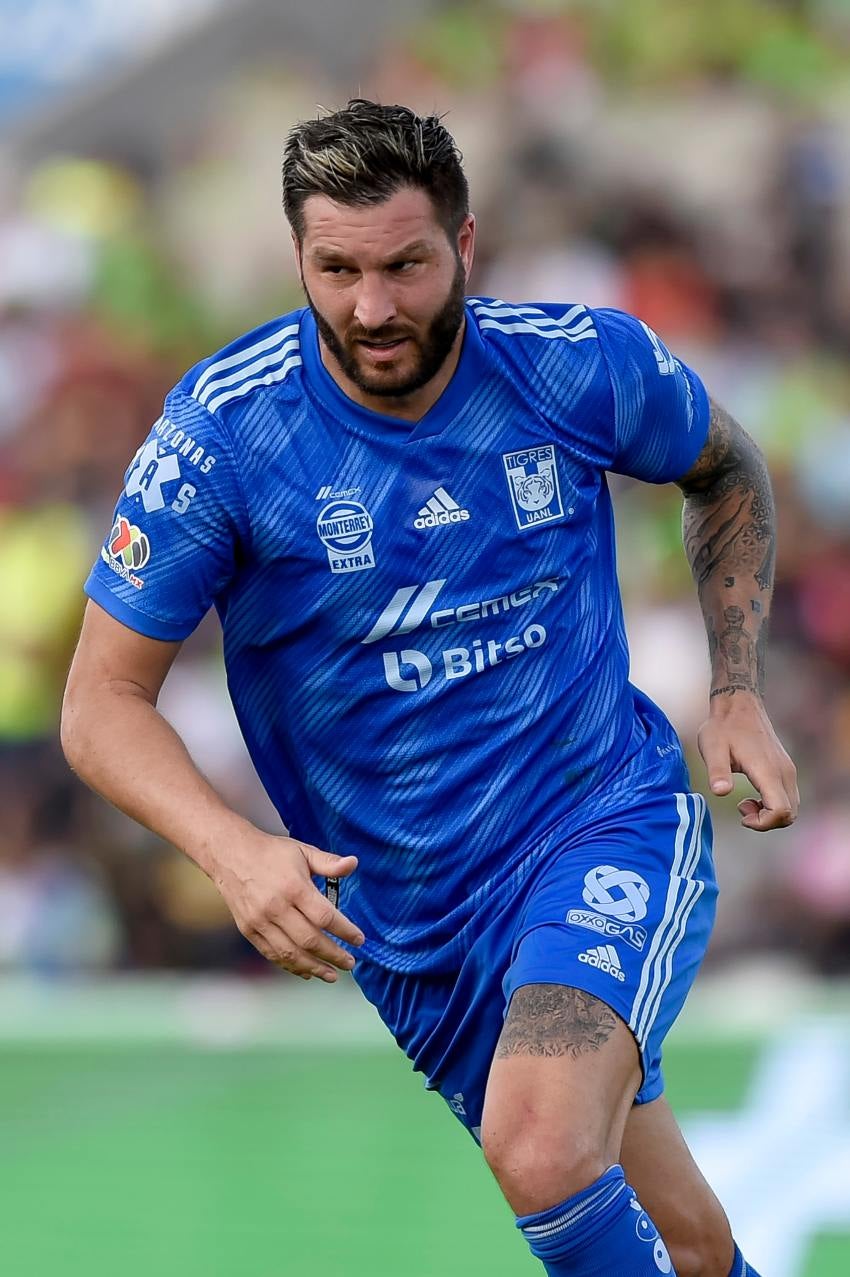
{"x": 606, "y": 958}
{"x": 439, "y": 510}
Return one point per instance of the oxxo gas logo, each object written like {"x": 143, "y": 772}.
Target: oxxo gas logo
{"x": 618, "y": 893}
{"x": 410, "y": 670}
{"x": 631, "y": 932}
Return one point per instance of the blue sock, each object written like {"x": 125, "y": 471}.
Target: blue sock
{"x": 601, "y": 1232}
{"x": 740, "y": 1267}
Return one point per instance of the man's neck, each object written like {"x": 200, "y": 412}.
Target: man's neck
{"x": 412, "y": 407}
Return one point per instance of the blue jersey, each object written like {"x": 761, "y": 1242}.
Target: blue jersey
{"x": 423, "y": 633}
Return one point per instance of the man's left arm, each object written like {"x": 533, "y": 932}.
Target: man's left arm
{"x": 729, "y": 530}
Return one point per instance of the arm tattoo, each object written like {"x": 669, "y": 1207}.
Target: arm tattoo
{"x": 729, "y": 531}
{"x": 554, "y": 1019}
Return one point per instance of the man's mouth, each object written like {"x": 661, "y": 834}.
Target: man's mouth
{"x": 383, "y": 349}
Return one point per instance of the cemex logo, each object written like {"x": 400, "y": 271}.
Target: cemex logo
{"x": 410, "y": 606}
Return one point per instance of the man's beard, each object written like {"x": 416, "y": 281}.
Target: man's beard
{"x": 433, "y": 348}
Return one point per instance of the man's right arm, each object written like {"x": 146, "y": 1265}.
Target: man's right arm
{"x": 109, "y": 711}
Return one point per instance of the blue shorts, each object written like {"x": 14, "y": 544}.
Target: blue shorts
{"x": 623, "y": 910}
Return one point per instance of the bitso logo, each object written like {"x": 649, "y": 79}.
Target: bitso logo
{"x": 417, "y": 663}
{"x": 534, "y": 485}
{"x": 457, "y": 662}
{"x": 619, "y": 893}
{"x": 345, "y": 530}
{"x": 409, "y": 670}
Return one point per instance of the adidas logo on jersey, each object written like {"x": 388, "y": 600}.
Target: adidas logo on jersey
{"x": 440, "y": 510}
{"x": 604, "y": 957}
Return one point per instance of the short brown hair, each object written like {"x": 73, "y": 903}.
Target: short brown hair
{"x": 366, "y": 152}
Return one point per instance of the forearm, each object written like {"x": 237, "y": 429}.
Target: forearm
{"x": 123, "y": 748}
{"x": 729, "y": 529}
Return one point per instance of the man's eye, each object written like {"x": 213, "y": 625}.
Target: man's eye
{"x": 334, "y": 270}
{"x": 400, "y": 267}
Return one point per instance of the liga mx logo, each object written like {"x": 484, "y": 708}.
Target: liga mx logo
{"x": 534, "y": 485}
{"x": 129, "y": 544}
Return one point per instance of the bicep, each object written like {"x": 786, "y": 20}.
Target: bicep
{"x": 111, "y": 657}
{"x": 727, "y": 449}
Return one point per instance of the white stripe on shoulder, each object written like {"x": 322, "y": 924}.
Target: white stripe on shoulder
{"x": 270, "y": 378}
{"x": 590, "y": 333}
{"x": 272, "y": 360}
{"x": 576, "y": 324}
{"x": 242, "y": 356}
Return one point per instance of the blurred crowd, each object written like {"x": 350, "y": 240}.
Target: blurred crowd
{"x": 700, "y": 180}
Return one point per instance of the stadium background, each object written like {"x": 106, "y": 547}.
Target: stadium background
{"x": 167, "y": 1102}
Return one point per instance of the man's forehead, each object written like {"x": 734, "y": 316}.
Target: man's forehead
{"x": 407, "y": 217}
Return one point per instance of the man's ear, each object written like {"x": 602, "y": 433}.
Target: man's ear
{"x": 466, "y": 243}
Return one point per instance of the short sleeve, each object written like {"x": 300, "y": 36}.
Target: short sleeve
{"x": 660, "y": 406}
{"x": 174, "y": 541}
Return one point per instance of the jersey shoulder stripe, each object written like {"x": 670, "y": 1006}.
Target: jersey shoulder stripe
{"x": 247, "y": 364}
{"x": 275, "y": 372}
{"x": 575, "y": 324}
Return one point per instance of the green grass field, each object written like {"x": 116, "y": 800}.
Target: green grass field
{"x": 134, "y": 1158}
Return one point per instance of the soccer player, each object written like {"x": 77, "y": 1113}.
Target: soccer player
{"x": 395, "y": 498}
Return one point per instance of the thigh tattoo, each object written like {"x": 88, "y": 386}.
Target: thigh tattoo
{"x": 555, "y": 1019}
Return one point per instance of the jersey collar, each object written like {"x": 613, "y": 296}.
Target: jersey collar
{"x": 467, "y": 376}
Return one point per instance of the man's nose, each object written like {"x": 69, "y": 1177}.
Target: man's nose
{"x": 375, "y": 305}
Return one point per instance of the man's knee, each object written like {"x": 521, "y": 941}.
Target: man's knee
{"x": 535, "y": 1167}
{"x": 560, "y": 1089}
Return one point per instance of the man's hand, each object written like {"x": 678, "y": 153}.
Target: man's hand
{"x": 738, "y": 737}
{"x": 266, "y": 885}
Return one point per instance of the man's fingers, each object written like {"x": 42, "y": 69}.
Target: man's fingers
{"x": 774, "y": 810}
{"x": 312, "y": 941}
{"x": 718, "y": 763}
{"x": 326, "y": 863}
{"x": 275, "y": 945}
{"x": 327, "y": 917}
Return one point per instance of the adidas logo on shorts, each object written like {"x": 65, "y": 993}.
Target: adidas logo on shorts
{"x": 606, "y": 958}
{"x": 439, "y": 510}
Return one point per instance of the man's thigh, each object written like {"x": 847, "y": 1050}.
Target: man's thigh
{"x": 561, "y": 1086}
{"x": 625, "y": 915}
{"x": 639, "y": 883}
